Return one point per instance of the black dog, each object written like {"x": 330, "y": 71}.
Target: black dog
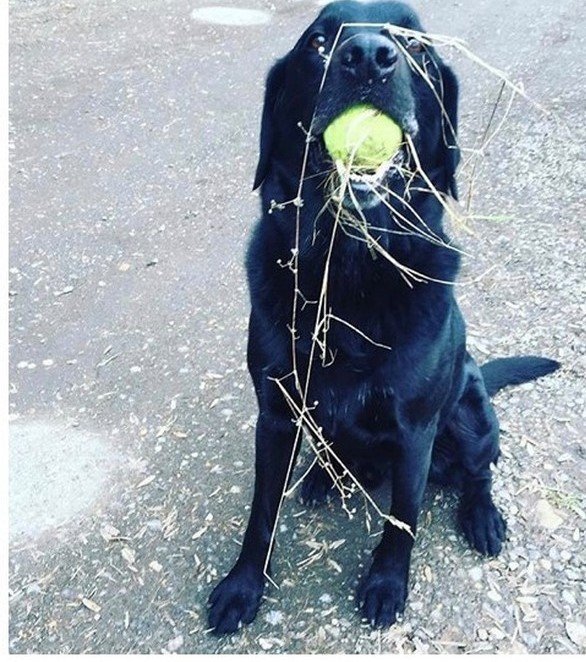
{"x": 395, "y": 387}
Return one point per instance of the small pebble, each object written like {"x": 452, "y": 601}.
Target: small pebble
{"x": 547, "y": 516}
{"x": 497, "y": 634}
{"x": 577, "y": 633}
{"x": 175, "y": 644}
{"x": 274, "y": 617}
{"x": 155, "y": 525}
{"x": 568, "y": 597}
{"x": 475, "y": 574}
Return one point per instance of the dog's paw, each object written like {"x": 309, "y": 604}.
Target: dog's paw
{"x": 315, "y": 488}
{"x": 234, "y": 601}
{"x": 484, "y": 527}
{"x": 381, "y": 598}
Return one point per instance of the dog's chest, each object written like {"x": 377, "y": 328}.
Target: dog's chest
{"x": 355, "y": 333}
{"x": 355, "y": 414}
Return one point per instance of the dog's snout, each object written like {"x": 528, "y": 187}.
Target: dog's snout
{"x": 368, "y": 57}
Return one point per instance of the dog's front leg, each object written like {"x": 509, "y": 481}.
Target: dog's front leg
{"x": 237, "y": 597}
{"x": 382, "y": 592}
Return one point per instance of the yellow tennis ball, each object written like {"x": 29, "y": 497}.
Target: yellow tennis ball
{"x": 363, "y": 136}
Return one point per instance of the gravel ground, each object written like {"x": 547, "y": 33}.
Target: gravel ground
{"x": 131, "y": 410}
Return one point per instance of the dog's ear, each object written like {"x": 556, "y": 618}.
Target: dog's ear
{"x": 449, "y": 96}
{"x": 274, "y": 86}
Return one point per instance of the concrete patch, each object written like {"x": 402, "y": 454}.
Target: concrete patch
{"x": 55, "y": 473}
{"x": 230, "y": 16}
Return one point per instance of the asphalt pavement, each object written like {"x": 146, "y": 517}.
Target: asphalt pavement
{"x": 133, "y": 142}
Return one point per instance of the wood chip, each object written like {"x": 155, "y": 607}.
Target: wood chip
{"x": 336, "y": 566}
{"x": 91, "y": 605}
{"x": 199, "y": 534}
{"x": 146, "y": 481}
{"x": 129, "y": 555}
{"x": 109, "y": 533}
{"x": 65, "y": 290}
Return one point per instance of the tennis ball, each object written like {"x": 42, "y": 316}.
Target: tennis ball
{"x": 363, "y": 136}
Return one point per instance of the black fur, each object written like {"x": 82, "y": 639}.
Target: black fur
{"x": 418, "y": 410}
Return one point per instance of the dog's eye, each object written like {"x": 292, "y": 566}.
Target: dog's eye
{"x": 414, "y": 45}
{"x": 317, "y": 41}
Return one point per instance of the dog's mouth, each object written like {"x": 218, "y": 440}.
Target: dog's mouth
{"x": 358, "y": 186}
{"x": 367, "y": 188}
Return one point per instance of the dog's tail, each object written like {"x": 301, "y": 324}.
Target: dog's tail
{"x": 515, "y": 370}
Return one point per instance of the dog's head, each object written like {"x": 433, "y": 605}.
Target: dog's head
{"x": 361, "y": 52}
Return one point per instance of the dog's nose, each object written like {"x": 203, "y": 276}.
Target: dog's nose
{"x": 368, "y": 56}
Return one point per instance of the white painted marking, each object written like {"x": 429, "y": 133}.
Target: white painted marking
{"x": 55, "y": 473}
{"x": 230, "y": 16}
